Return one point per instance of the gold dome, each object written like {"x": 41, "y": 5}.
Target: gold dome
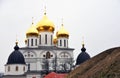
{"x": 45, "y": 24}
{"x": 62, "y": 32}
{"x": 55, "y": 40}
{"x": 32, "y": 31}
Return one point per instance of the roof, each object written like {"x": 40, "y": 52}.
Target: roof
{"x": 55, "y": 75}
{"x": 83, "y": 56}
{"x": 46, "y": 48}
{"x": 16, "y": 57}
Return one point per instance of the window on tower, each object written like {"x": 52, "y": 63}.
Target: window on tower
{"x": 23, "y": 68}
{"x": 60, "y": 42}
{"x": 40, "y": 39}
{"x": 16, "y": 68}
{"x": 51, "y": 39}
{"x": 28, "y": 42}
{"x": 8, "y": 68}
{"x": 64, "y": 43}
{"x": 45, "y": 38}
{"x": 67, "y": 43}
{"x": 31, "y": 42}
{"x": 36, "y": 42}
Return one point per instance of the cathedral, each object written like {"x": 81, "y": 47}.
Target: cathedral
{"x": 43, "y": 53}
{"x": 46, "y": 51}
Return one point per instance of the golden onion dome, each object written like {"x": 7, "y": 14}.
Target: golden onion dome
{"x": 55, "y": 40}
{"x": 45, "y": 24}
{"x": 62, "y": 32}
{"x": 32, "y": 31}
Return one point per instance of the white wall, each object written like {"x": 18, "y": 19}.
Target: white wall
{"x": 33, "y": 75}
{"x": 13, "y": 69}
{"x": 62, "y": 42}
{"x": 49, "y": 43}
{"x": 34, "y": 41}
{"x": 36, "y": 62}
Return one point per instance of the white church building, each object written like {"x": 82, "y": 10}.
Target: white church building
{"x": 45, "y": 51}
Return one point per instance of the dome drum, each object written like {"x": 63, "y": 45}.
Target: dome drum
{"x": 32, "y": 34}
{"x": 63, "y": 35}
{"x": 45, "y": 28}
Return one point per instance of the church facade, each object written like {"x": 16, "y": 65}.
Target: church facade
{"x": 45, "y": 51}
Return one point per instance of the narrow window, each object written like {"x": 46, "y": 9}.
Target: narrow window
{"x": 40, "y": 39}
{"x": 23, "y": 68}
{"x": 64, "y": 43}
{"x": 28, "y": 42}
{"x": 31, "y": 42}
{"x": 29, "y": 67}
{"x": 16, "y": 68}
{"x": 60, "y": 42}
{"x": 36, "y": 42}
{"x": 51, "y": 39}
{"x": 8, "y": 68}
{"x": 67, "y": 43}
{"x": 45, "y": 38}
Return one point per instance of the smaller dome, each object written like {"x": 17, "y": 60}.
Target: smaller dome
{"x": 62, "y": 32}
{"x": 83, "y": 56}
{"x": 45, "y": 24}
{"x": 55, "y": 40}
{"x": 32, "y": 31}
{"x": 16, "y": 57}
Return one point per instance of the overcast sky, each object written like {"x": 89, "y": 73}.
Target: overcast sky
{"x": 97, "y": 20}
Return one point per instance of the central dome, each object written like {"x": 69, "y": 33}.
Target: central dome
{"x": 45, "y": 24}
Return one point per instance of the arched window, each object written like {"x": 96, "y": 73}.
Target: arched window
{"x": 45, "y": 38}
{"x": 40, "y": 40}
{"x": 29, "y": 67}
{"x": 16, "y": 68}
{"x": 67, "y": 43}
{"x": 51, "y": 39}
{"x": 28, "y": 42}
{"x": 24, "y": 68}
{"x": 48, "y": 55}
{"x": 8, "y": 68}
{"x": 31, "y": 42}
{"x": 60, "y": 42}
{"x": 36, "y": 42}
{"x": 64, "y": 43}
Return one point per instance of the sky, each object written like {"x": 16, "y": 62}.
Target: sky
{"x": 98, "y": 21}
